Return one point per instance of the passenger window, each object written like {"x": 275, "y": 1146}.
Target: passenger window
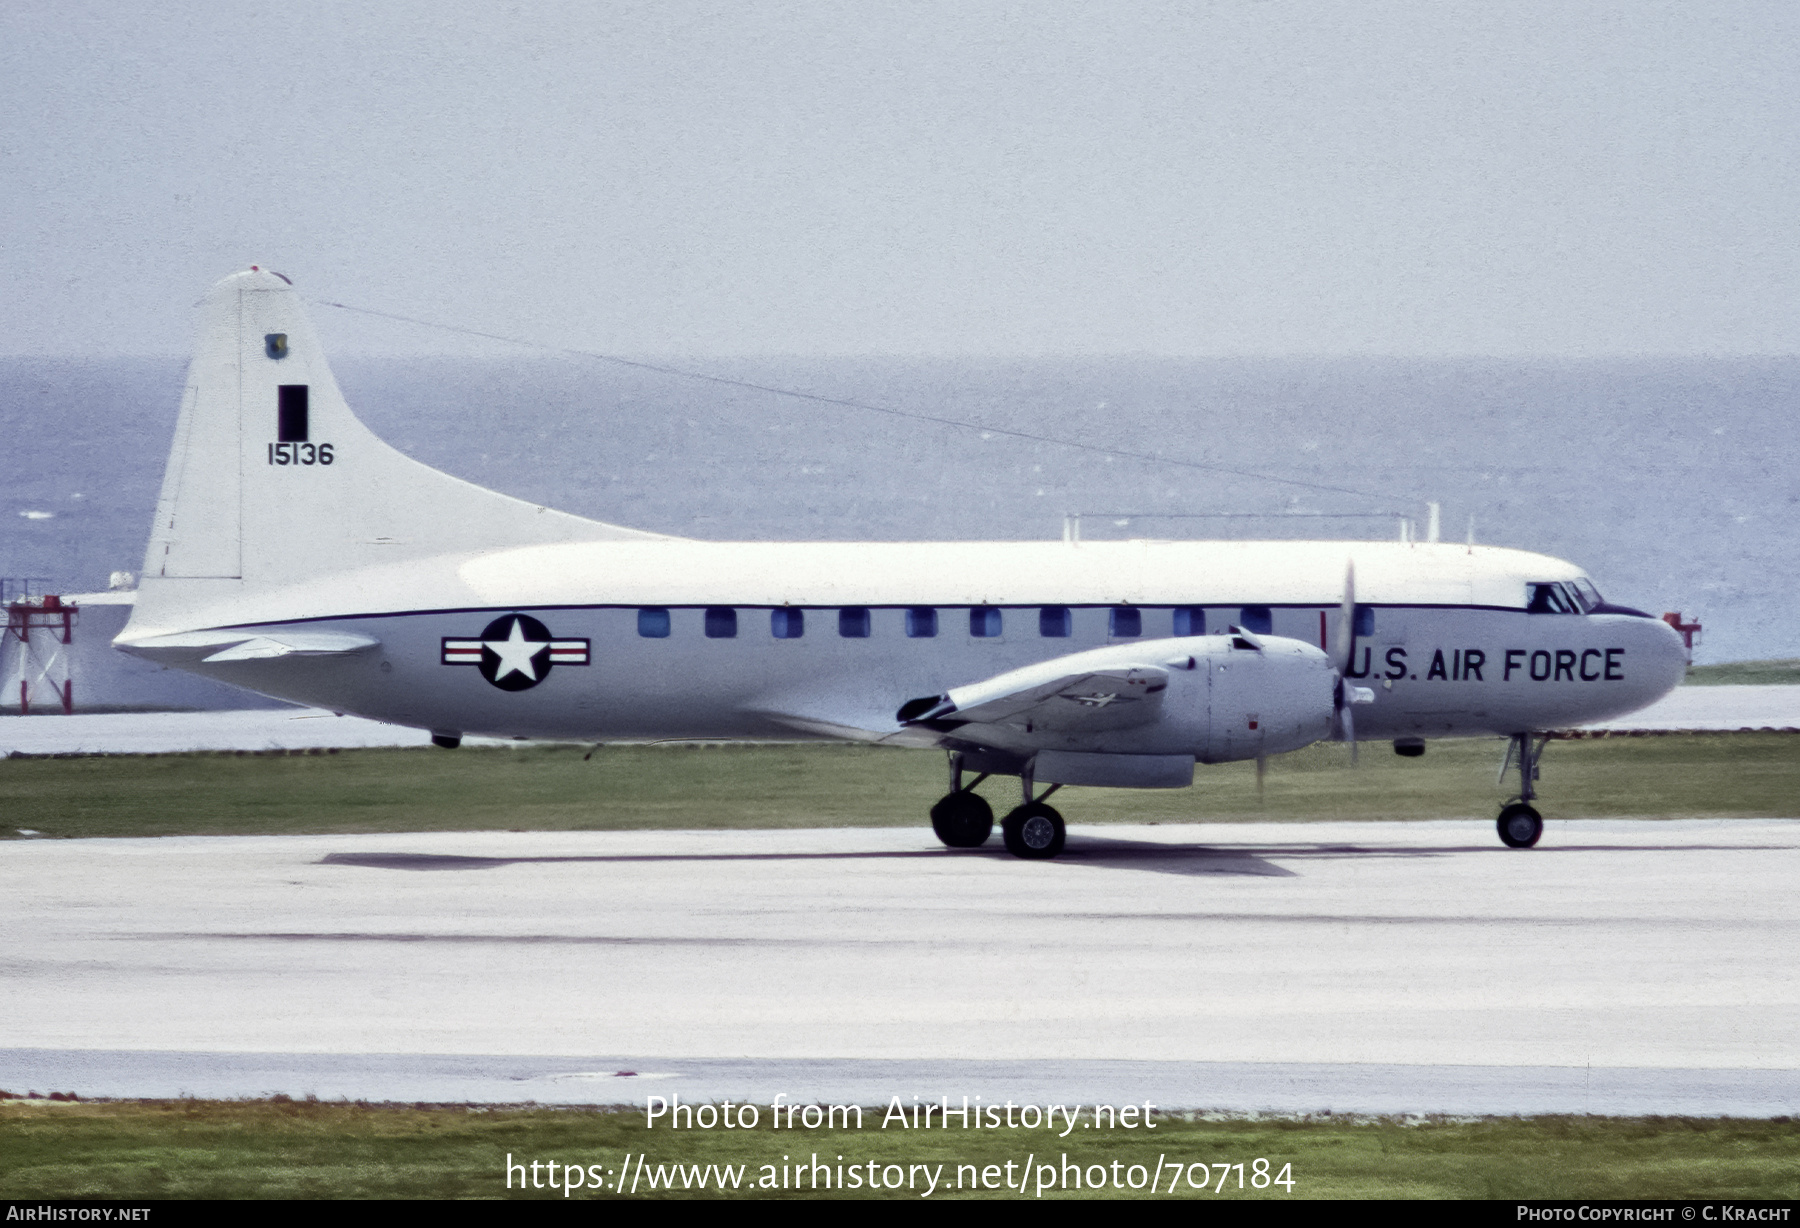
{"x": 653, "y": 623}
{"x": 853, "y": 622}
{"x": 1363, "y": 621}
{"x": 1190, "y": 620}
{"x": 787, "y": 624}
{"x": 1256, "y": 619}
{"x": 921, "y": 622}
{"x": 721, "y": 622}
{"x": 1124, "y": 621}
{"x": 984, "y": 622}
{"x": 1053, "y": 621}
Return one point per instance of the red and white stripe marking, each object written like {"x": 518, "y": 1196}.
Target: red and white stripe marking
{"x": 468, "y": 652}
{"x": 461, "y": 652}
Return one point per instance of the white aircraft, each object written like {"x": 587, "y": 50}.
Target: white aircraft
{"x": 296, "y": 554}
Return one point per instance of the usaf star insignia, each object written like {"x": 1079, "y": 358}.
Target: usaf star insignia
{"x": 515, "y": 652}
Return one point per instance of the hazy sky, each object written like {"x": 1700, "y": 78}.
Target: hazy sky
{"x": 1417, "y": 177}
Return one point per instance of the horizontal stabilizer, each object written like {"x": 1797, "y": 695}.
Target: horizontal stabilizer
{"x": 250, "y": 646}
{"x": 297, "y": 644}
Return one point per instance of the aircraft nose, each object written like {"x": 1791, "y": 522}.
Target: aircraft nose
{"x": 1656, "y": 655}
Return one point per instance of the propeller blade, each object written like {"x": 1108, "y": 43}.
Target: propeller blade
{"x": 1345, "y": 646}
{"x": 1343, "y": 695}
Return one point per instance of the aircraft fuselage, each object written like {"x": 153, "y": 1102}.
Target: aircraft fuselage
{"x": 677, "y": 639}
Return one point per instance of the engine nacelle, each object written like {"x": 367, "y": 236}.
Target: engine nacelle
{"x": 1264, "y": 696}
{"x": 1129, "y": 715}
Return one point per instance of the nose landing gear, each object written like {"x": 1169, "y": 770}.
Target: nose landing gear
{"x": 1520, "y": 825}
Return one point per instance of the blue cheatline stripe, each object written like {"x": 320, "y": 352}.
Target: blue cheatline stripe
{"x": 632, "y": 605}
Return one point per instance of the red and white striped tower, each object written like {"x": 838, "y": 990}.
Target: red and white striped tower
{"x": 35, "y": 650}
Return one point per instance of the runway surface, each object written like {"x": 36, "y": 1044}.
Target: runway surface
{"x": 1721, "y": 708}
{"x": 1621, "y": 966}
{"x": 152, "y": 733}
{"x": 1294, "y": 1088}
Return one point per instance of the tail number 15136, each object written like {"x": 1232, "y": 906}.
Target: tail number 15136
{"x": 300, "y": 454}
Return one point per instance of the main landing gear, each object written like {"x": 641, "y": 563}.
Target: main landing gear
{"x": 963, "y": 819}
{"x": 1520, "y": 824}
{"x": 1034, "y": 830}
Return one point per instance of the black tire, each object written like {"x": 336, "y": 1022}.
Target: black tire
{"x": 963, "y": 820}
{"x": 1520, "y": 826}
{"x": 1033, "y": 831}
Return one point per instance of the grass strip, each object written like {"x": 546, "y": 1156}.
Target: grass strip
{"x": 555, "y": 788}
{"x": 293, "y": 1149}
{"x": 1746, "y": 673}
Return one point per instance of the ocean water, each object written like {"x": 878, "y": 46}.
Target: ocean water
{"x": 1676, "y": 483}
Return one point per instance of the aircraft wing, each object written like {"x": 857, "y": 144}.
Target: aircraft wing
{"x": 849, "y": 726}
{"x": 849, "y": 711}
{"x": 1054, "y": 698}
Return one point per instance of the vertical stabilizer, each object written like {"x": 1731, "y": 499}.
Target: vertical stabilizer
{"x": 273, "y": 481}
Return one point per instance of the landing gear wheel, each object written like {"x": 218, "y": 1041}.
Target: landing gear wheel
{"x": 1033, "y": 831}
{"x": 963, "y": 820}
{"x": 1520, "y": 826}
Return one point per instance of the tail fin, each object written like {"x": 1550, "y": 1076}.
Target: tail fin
{"x": 273, "y": 481}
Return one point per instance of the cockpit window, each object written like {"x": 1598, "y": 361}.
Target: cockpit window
{"x": 1547, "y": 599}
{"x": 1558, "y": 598}
{"x": 1589, "y": 595}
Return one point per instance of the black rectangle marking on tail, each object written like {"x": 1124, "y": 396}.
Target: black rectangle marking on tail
{"x": 291, "y": 425}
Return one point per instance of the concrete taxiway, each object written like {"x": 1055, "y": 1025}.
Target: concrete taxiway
{"x": 1376, "y": 967}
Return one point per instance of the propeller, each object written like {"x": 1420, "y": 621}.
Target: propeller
{"x": 1346, "y": 723}
{"x": 1345, "y": 645}
{"x": 1343, "y": 695}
